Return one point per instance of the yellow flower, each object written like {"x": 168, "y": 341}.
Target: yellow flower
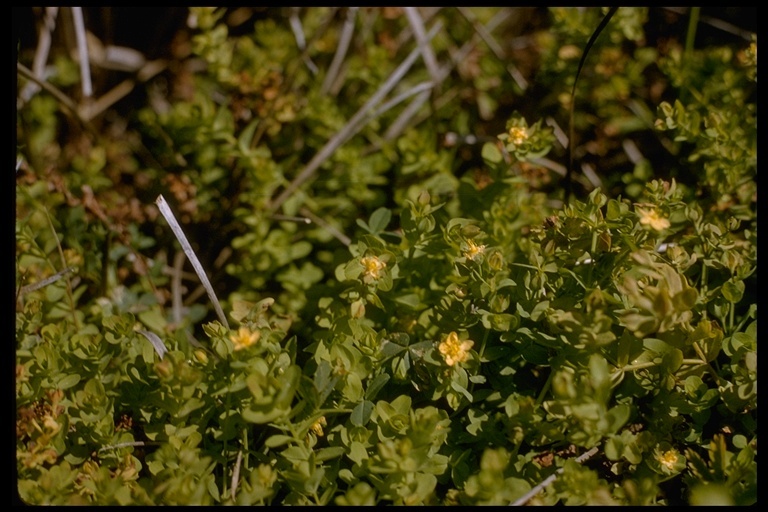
{"x": 244, "y": 338}
{"x": 372, "y": 268}
{"x": 454, "y": 350}
{"x": 51, "y": 424}
{"x": 473, "y": 250}
{"x": 653, "y": 219}
{"x": 668, "y": 459}
{"x": 317, "y": 426}
{"x": 518, "y": 135}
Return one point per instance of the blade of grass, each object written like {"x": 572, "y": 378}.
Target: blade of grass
{"x": 176, "y": 228}
{"x": 156, "y": 342}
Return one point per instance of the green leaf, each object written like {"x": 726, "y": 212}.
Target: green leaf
{"x": 277, "y": 440}
{"x": 330, "y": 452}
{"x": 685, "y": 300}
{"x": 68, "y": 381}
{"x": 375, "y": 385}
{"x": 361, "y": 413}
{"x": 733, "y": 291}
{"x": 491, "y": 153}
{"x": 379, "y": 220}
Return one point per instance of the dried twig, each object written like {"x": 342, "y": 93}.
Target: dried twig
{"x": 62, "y": 98}
{"x": 45, "y": 282}
{"x": 341, "y": 237}
{"x": 536, "y": 490}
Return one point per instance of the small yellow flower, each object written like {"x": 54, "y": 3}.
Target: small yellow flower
{"x": 317, "y": 426}
{"x": 454, "y": 350}
{"x": 372, "y": 268}
{"x": 653, "y": 219}
{"x": 244, "y": 338}
{"x": 51, "y": 424}
{"x": 668, "y": 459}
{"x": 473, "y": 250}
{"x": 518, "y": 135}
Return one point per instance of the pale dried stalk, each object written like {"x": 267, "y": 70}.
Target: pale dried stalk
{"x": 536, "y": 490}
{"x": 156, "y": 342}
{"x": 171, "y": 219}
{"x": 236, "y": 474}
{"x": 41, "y": 53}
{"x": 301, "y": 41}
{"x": 82, "y": 51}
{"x": 45, "y": 282}
{"x": 352, "y": 126}
{"x": 417, "y": 24}
{"x": 341, "y": 50}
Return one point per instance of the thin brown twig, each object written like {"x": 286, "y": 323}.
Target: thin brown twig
{"x": 62, "y": 98}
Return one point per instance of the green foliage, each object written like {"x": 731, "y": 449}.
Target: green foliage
{"x": 438, "y": 331}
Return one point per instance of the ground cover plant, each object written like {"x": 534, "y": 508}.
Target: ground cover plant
{"x": 353, "y": 256}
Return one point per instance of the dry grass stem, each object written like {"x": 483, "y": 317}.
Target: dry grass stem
{"x": 187, "y": 248}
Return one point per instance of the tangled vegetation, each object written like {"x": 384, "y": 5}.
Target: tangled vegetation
{"x": 406, "y": 307}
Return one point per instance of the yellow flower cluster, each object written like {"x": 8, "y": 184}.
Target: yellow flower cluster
{"x": 653, "y": 219}
{"x": 372, "y": 267}
{"x": 244, "y": 338}
{"x": 473, "y": 250}
{"x": 454, "y": 350}
{"x": 518, "y": 135}
{"x": 668, "y": 459}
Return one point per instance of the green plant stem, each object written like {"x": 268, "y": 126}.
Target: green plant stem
{"x": 545, "y": 388}
{"x": 483, "y": 343}
{"x": 703, "y": 357}
{"x": 245, "y": 446}
{"x": 731, "y": 319}
{"x": 690, "y": 36}
{"x": 64, "y": 264}
{"x": 704, "y": 286}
